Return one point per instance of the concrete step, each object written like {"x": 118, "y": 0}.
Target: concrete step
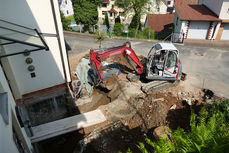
{"x": 52, "y": 129}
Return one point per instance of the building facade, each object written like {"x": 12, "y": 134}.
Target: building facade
{"x": 207, "y": 20}
{"x": 33, "y": 68}
{"x": 66, "y": 7}
{"x": 221, "y": 9}
{"x": 114, "y": 11}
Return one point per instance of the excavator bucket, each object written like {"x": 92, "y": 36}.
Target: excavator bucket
{"x": 88, "y": 75}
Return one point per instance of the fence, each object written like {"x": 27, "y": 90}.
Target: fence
{"x": 164, "y": 35}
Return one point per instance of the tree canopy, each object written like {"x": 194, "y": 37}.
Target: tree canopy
{"x": 85, "y": 11}
{"x": 138, "y": 7}
{"x": 65, "y": 22}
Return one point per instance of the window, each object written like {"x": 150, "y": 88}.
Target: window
{"x": 110, "y": 14}
{"x": 104, "y": 12}
{"x": 104, "y": 5}
{"x": 4, "y": 107}
{"x": 67, "y": 12}
{"x": 158, "y": 9}
{"x": 66, "y": 1}
{"x": 169, "y": 2}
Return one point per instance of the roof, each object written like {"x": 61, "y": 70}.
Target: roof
{"x": 195, "y": 13}
{"x": 157, "y": 22}
{"x": 185, "y": 2}
{"x": 165, "y": 46}
{"x": 113, "y": 11}
{"x": 106, "y": 1}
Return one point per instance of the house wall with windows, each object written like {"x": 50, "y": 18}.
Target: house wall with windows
{"x": 106, "y": 7}
{"x": 51, "y": 67}
{"x": 13, "y": 137}
{"x": 66, "y": 7}
{"x": 126, "y": 19}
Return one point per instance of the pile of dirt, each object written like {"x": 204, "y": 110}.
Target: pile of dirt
{"x": 138, "y": 113}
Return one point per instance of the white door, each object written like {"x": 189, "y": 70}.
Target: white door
{"x": 225, "y": 34}
{"x": 198, "y": 30}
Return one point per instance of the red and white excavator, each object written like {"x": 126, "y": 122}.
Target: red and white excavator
{"x": 162, "y": 62}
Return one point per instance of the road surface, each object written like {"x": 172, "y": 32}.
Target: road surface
{"x": 206, "y": 67}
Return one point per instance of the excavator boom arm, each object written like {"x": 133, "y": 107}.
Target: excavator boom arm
{"x": 96, "y": 57}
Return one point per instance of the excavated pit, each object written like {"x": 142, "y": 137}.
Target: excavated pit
{"x": 131, "y": 114}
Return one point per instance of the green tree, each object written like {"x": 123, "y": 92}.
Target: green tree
{"x": 65, "y": 22}
{"x": 99, "y": 36}
{"x": 137, "y": 6}
{"x": 106, "y": 22}
{"x": 118, "y": 28}
{"x": 148, "y": 33}
{"x": 85, "y": 12}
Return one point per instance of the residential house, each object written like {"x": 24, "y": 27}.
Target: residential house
{"x": 66, "y": 7}
{"x": 196, "y": 22}
{"x": 34, "y": 69}
{"x": 207, "y": 20}
{"x": 160, "y": 23}
{"x": 114, "y": 11}
{"x": 221, "y": 9}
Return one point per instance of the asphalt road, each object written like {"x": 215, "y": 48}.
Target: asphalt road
{"x": 206, "y": 67}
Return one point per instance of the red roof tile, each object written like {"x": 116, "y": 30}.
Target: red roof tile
{"x": 106, "y": 1}
{"x": 157, "y": 22}
{"x": 185, "y": 2}
{"x": 113, "y": 11}
{"x": 195, "y": 13}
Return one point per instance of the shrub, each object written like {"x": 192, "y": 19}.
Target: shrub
{"x": 65, "y": 22}
{"x": 118, "y": 28}
{"x": 148, "y": 33}
{"x": 132, "y": 32}
{"x": 209, "y": 133}
{"x": 99, "y": 36}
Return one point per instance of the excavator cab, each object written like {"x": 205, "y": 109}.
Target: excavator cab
{"x": 163, "y": 63}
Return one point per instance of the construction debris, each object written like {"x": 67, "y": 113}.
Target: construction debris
{"x": 133, "y": 107}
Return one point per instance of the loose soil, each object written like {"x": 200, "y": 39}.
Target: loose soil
{"x": 131, "y": 114}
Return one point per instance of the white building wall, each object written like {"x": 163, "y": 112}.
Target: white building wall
{"x": 48, "y": 64}
{"x": 7, "y": 144}
{"x": 124, "y": 19}
{"x": 224, "y": 14}
{"x": 153, "y": 9}
{"x": 66, "y": 8}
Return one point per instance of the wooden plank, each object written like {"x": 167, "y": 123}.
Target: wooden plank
{"x": 52, "y": 129}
